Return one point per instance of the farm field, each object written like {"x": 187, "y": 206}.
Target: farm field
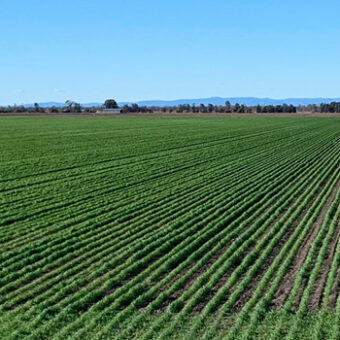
{"x": 169, "y": 228}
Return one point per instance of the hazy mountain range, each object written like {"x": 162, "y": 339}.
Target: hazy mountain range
{"x": 250, "y": 101}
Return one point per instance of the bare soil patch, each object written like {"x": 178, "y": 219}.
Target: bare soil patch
{"x": 316, "y": 296}
{"x": 288, "y": 281}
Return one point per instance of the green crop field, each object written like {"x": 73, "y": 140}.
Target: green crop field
{"x": 169, "y": 228}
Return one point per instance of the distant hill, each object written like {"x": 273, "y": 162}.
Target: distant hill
{"x": 249, "y": 101}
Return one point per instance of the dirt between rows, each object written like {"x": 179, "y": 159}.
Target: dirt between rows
{"x": 254, "y": 283}
{"x": 334, "y": 291}
{"x": 288, "y": 281}
{"x": 194, "y": 277}
{"x": 248, "y": 293}
{"x": 200, "y": 306}
{"x": 319, "y": 285}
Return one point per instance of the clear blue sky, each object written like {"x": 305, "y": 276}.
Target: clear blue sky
{"x": 89, "y": 50}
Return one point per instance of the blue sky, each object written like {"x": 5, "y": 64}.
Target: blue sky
{"x": 89, "y": 50}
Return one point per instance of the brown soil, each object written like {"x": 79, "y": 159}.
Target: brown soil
{"x": 257, "y": 279}
{"x": 200, "y": 272}
{"x": 193, "y": 278}
{"x": 288, "y": 281}
{"x": 335, "y": 291}
{"x": 316, "y": 296}
{"x": 226, "y": 276}
{"x": 269, "y": 260}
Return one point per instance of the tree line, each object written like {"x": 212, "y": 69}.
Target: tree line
{"x": 74, "y": 107}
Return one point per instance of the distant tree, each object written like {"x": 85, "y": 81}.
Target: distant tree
{"x": 126, "y": 108}
{"x": 110, "y": 104}
{"x": 21, "y": 108}
{"x": 76, "y": 108}
{"x": 53, "y": 109}
{"x": 278, "y": 108}
{"x": 178, "y": 108}
{"x": 72, "y": 106}
{"x": 186, "y": 108}
{"x": 236, "y": 107}
{"x": 36, "y": 107}
{"x": 203, "y": 108}
{"x": 270, "y": 108}
{"x": 134, "y": 108}
{"x": 312, "y": 108}
{"x": 242, "y": 109}
{"x": 285, "y": 108}
{"x": 227, "y": 106}
{"x": 69, "y": 104}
